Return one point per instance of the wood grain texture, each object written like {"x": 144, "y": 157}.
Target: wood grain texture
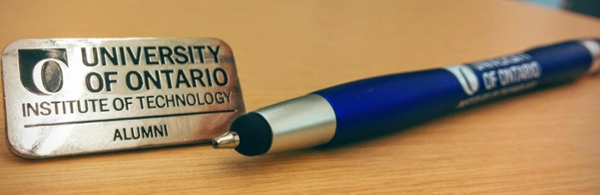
{"x": 546, "y": 142}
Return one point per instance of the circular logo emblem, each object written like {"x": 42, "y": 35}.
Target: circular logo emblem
{"x": 48, "y": 75}
{"x": 466, "y": 77}
{"x": 43, "y": 70}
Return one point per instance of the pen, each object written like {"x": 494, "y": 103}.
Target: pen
{"x": 358, "y": 109}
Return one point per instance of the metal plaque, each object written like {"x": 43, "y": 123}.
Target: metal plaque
{"x": 79, "y": 96}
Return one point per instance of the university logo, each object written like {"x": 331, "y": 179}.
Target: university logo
{"x": 466, "y": 77}
{"x": 42, "y": 70}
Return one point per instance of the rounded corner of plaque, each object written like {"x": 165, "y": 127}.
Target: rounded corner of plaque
{"x": 221, "y": 42}
{"x": 20, "y": 152}
{"x": 13, "y": 44}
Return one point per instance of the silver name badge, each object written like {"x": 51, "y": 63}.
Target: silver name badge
{"x": 79, "y": 96}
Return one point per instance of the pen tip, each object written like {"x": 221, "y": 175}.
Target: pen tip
{"x": 228, "y": 140}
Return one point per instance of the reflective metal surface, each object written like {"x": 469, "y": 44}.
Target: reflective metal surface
{"x": 302, "y": 122}
{"x": 78, "y": 96}
{"x": 227, "y": 140}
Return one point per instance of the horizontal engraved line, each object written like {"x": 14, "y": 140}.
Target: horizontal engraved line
{"x": 124, "y": 119}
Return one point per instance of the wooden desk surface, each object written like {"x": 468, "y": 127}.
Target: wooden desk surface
{"x": 540, "y": 143}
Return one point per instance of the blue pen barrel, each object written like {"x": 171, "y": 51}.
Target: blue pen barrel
{"x": 376, "y": 105}
{"x": 387, "y": 103}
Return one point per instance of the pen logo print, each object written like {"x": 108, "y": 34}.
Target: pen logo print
{"x": 466, "y": 77}
{"x": 42, "y": 70}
